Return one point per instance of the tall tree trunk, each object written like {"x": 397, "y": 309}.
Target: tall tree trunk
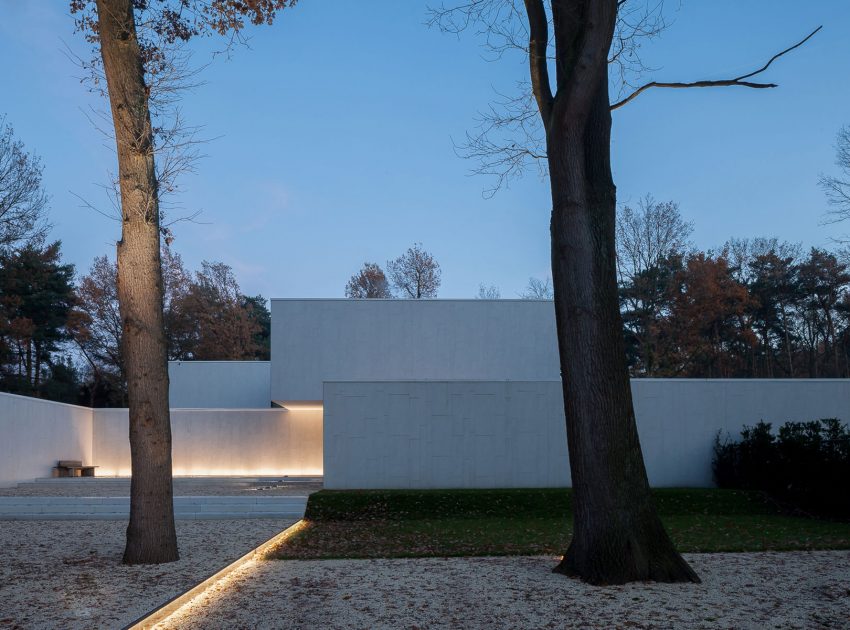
{"x": 29, "y": 363}
{"x": 617, "y": 535}
{"x": 787, "y": 343}
{"x": 830, "y": 325}
{"x": 37, "y": 368}
{"x": 151, "y": 536}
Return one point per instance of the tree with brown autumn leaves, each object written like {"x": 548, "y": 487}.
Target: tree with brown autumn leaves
{"x": 369, "y": 282}
{"x": 206, "y": 317}
{"x": 133, "y": 42}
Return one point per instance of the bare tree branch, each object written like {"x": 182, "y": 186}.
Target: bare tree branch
{"x": 538, "y": 289}
{"x": 837, "y": 187}
{"x": 537, "y": 58}
{"x": 637, "y": 22}
{"x": 507, "y": 140}
{"x": 176, "y": 145}
{"x": 23, "y": 202}
{"x": 737, "y": 81}
{"x": 510, "y": 136}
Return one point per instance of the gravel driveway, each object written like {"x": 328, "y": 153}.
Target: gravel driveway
{"x": 755, "y": 590}
{"x": 67, "y": 574}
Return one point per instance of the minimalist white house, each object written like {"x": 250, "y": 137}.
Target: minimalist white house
{"x": 467, "y": 393}
{"x": 404, "y": 394}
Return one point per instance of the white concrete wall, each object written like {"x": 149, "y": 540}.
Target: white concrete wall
{"x": 35, "y": 433}
{"x": 678, "y": 418}
{"x": 221, "y": 442}
{"x": 219, "y": 384}
{"x": 326, "y": 340}
{"x": 442, "y": 434}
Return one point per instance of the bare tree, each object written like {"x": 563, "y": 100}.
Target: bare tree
{"x": 647, "y": 235}
{"x": 23, "y": 202}
{"x": 509, "y": 138}
{"x": 650, "y": 243}
{"x": 486, "y": 292}
{"x": 97, "y": 332}
{"x": 617, "y": 534}
{"x": 741, "y": 253}
{"x": 415, "y": 274}
{"x": 538, "y": 289}
{"x": 133, "y": 41}
{"x": 369, "y": 282}
{"x": 837, "y": 187}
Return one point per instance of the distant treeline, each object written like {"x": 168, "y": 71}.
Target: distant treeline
{"x": 756, "y": 308}
{"x": 60, "y": 336}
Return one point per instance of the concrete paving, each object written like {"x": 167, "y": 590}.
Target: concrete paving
{"x": 117, "y": 508}
{"x": 183, "y": 486}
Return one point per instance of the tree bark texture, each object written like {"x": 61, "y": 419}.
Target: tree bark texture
{"x": 617, "y": 535}
{"x": 151, "y": 536}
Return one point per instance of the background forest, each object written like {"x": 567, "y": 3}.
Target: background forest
{"x": 60, "y": 330}
{"x": 752, "y": 308}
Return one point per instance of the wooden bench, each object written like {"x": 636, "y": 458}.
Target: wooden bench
{"x": 72, "y": 468}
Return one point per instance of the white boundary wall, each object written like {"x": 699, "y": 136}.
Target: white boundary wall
{"x": 34, "y": 433}
{"x": 220, "y": 442}
{"x": 474, "y": 434}
{"x": 416, "y": 434}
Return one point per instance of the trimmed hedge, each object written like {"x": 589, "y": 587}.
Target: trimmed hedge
{"x": 805, "y": 464}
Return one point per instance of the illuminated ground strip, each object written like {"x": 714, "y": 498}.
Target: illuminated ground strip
{"x": 172, "y": 608}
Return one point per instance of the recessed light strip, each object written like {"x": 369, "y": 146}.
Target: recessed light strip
{"x": 173, "y": 606}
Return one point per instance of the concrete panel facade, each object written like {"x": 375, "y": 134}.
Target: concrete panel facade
{"x": 221, "y": 442}
{"x": 342, "y": 339}
{"x": 219, "y": 384}
{"x": 35, "y": 433}
{"x": 678, "y": 418}
{"x": 442, "y": 434}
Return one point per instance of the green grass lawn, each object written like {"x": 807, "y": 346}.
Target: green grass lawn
{"x": 402, "y": 523}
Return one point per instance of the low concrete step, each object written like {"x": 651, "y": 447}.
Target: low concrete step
{"x": 117, "y": 508}
{"x": 60, "y": 481}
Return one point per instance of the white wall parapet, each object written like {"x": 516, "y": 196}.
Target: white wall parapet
{"x": 332, "y": 339}
{"x": 219, "y": 384}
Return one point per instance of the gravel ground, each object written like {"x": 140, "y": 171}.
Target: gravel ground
{"x": 106, "y": 487}
{"x": 67, "y": 574}
{"x": 755, "y": 590}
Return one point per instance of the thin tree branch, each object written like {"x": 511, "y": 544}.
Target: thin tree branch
{"x": 737, "y": 81}
{"x": 537, "y": 46}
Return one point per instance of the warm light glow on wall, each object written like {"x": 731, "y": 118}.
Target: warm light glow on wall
{"x": 245, "y": 472}
{"x": 225, "y": 472}
{"x": 301, "y": 405}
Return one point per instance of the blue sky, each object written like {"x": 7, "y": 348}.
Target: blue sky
{"x": 334, "y": 140}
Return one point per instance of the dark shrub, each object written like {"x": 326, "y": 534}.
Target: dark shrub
{"x": 807, "y": 464}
